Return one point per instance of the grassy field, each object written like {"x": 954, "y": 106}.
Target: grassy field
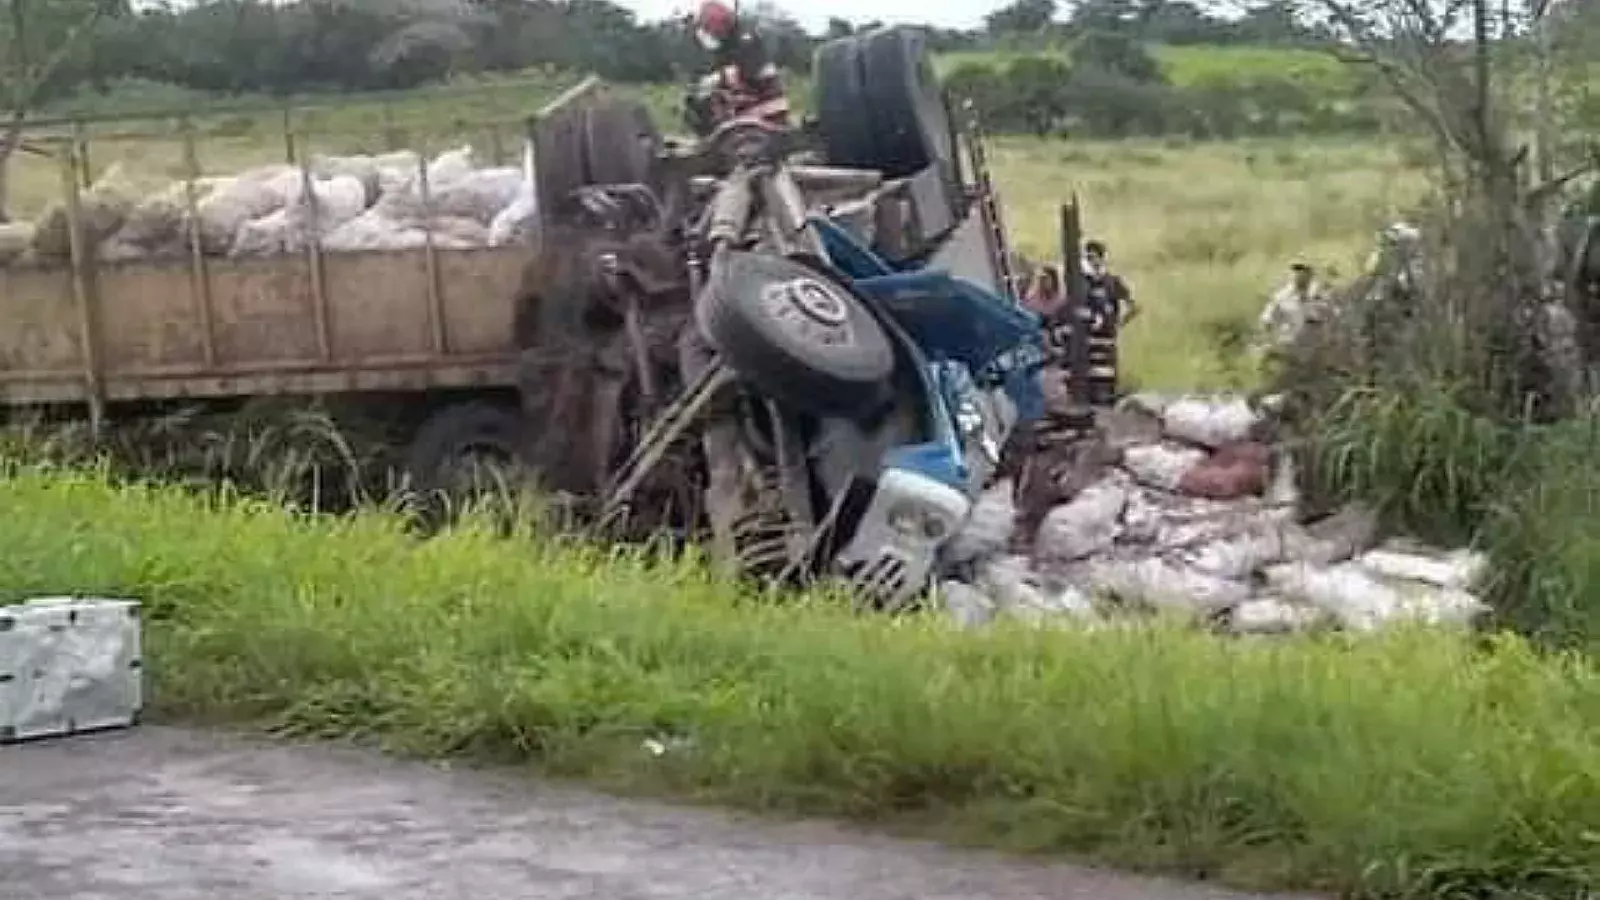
{"x": 1408, "y": 766}
{"x": 1203, "y": 231}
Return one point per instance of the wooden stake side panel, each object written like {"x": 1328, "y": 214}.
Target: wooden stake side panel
{"x": 256, "y": 321}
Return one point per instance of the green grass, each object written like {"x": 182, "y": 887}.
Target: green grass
{"x": 1410, "y": 765}
{"x": 1529, "y": 494}
{"x": 1204, "y": 232}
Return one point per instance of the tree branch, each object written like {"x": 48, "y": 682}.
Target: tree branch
{"x": 30, "y": 84}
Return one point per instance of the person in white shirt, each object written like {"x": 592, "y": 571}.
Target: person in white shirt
{"x": 1299, "y": 302}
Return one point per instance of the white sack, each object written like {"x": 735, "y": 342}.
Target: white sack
{"x": 1017, "y": 594}
{"x": 477, "y": 195}
{"x": 1283, "y": 488}
{"x": 1086, "y": 525}
{"x": 450, "y": 166}
{"x": 967, "y": 605}
{"x": 1269, "y": 615}
{"x": 15, "y": 239}
{"x": 1239, "y": 556}
{"x": 252, "y": 195}
{"x": 1334, "y": 539}
{"x": 1148, "y": 403}
{"x": 1159, "y": 465}
{"x": 988, "y": 529}
{"x": 1209, "y": 423}
{"x": 360, "y": 167}
{"x": 518, "y": 221}
{"x": 1459, "y": 569}
{"x": 1360, "y": 601}
{"x": 1166, "y": 586}
{"x": 397, "y": 171}
{"x": 338, "y": 200}
{"x": 102, "y": 209}
{"x": 268, "y": 235}
{"x": 372, "y": 231}
{"x": 161, "y": 218}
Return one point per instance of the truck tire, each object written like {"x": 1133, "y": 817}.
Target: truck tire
{"x": 460, "y": 433}
{"x": 906, "y": 104}
{"x": 841, "y": 102}
{"x": 796, "y": 335}
{"x": 621, "y": 144}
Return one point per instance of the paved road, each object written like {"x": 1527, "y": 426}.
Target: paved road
{"x": 165, "y": 814}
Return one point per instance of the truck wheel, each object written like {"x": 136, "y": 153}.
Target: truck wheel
{"x": 796, "y": 335}
{"x": 621, "y": 144}
{"x": 454, "y": 440}
{"x": 841, "y": 103}
{"x": 906, "y": 104}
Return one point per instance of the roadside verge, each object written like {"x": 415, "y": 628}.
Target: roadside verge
{"x": 1397, "y": 765}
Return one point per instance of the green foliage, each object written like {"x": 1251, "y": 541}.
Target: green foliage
{"x": 1382, "y": 767}
{"x": 1110, "y": 85}
{"x": 1118, "y": 54}
{"x": 1021, "y": 17}
{"x": 252, "y": 46}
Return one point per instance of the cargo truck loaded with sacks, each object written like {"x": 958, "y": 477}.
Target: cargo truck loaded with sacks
{"x": 802, "y": 345}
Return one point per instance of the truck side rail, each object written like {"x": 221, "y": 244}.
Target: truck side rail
{"x": 86, "y": 330}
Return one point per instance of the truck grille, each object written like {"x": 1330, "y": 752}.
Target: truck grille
{"x": 882, "y": 581}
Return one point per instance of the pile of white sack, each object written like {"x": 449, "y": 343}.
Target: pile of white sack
{"x": 347, "y": 203}
{"x": 1200, "y": 519}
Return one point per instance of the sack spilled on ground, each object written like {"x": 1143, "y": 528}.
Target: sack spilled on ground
{"x": 1189, "y": 510}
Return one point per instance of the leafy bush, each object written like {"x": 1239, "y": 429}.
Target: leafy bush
{"x": 1112, "y": 88}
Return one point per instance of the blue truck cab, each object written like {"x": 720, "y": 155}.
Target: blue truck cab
{"x": 976, "y": 354}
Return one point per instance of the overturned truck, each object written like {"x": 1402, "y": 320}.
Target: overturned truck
{"x": 804, "y": 344}
{"x": 810, "y": 333}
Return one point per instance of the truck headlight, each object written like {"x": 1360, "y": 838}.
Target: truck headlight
{"x": 917, "y": 522}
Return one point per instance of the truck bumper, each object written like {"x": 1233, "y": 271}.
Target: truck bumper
{"x": 892, "y": 554}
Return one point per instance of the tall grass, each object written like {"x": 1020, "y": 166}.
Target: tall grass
{"x": 1204, "y": 232}
{"x": 1410, "y": 765}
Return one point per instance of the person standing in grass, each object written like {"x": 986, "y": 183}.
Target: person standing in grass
{"x": 1299, "y": 302}
{"x": 1110, "y": 307}
{"x": 1111, "y": 303}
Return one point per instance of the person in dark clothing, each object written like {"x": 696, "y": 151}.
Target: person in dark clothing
{"x": 1111, "y": 303}
{"x": 1110, "y": 306}
{"x": 744, "y": 82}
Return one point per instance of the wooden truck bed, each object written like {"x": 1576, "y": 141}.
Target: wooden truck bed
{"x": 382, "y": 320}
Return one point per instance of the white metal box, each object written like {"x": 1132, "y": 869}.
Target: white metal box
{"x": 68, "y": 665}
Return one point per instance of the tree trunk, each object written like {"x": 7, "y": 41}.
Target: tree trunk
{"x": 5, "y": 184}
{"x": 8, "y": 147}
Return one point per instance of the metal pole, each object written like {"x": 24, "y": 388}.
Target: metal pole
{"x": 1077, "y": 296}
{"x": 84, "y": 293}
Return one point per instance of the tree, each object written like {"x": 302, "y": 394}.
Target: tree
{"x": 1116, "y": 53}
{"x": 1106, "y": 16}
{"x": 1273, "y": 22}
{"x": 1038, "y": 87}
{"x": 1021, "y": 17}
{"x": 40, "y": 42}
{"x": 1484, "y": 319}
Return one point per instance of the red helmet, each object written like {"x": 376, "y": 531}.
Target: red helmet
{"x": 715, "y": 19}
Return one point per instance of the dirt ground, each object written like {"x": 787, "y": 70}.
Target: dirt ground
{"x": 174, "y": 814}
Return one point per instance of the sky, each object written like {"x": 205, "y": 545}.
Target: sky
{"x": 814, "y": 14}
